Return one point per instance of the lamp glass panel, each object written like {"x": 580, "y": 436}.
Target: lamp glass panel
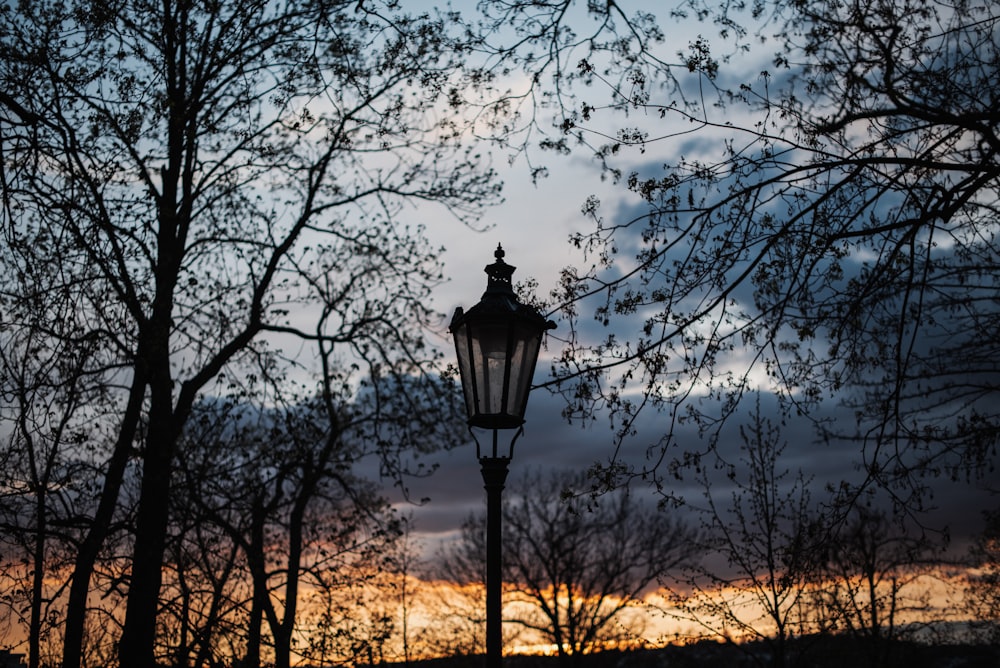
{"x": 462, "y": 348}
{"x": 491, "y": 362}
{"x": 522, "y": 367}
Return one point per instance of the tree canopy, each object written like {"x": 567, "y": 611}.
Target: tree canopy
{"x": 825, "y": 228}
{"x": 207, "y": 199}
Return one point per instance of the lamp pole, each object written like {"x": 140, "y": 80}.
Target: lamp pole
{"x": 494, "y": 475}
{"x": 497, "y": 343}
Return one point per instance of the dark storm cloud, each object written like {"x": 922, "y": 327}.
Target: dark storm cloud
{"x": 550, "y": 443}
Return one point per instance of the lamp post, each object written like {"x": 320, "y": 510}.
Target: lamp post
{"x": 497, "y": 343}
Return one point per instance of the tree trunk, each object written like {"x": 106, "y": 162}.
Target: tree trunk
{"x": 37, "y": 578}
{"x": 258, "y": 578}
{"x": 283, "y": 632}
{"x": 138, "y": 640}
{"x": 83, "y": 568}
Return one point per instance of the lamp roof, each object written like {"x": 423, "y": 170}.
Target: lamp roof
{"x": 499, "y": 298}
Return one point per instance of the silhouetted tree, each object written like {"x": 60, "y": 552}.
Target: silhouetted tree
{"x": 573, "y": 566}
{"x": 835, "y": 233}
{"x": 869, "y": 562}
{"x": 403, "y": 564}
{"x": 282, "y": 488}
{"x": 213, "y": 186}
{"x": 48, "y": 410}
{"x": 761, "y": 548}
{"x": 457, "y": 627}
{"x": 983, "y": 589}
{"x": 832, "y": 239}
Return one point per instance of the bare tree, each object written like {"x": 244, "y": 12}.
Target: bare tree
{"x": 48, "y": 410}
{"x": 458, "y": 626}
{"x": 402, "y": 565}
{"x": 280, "y": 488}
{"x": 983, "y": 589}
{"x": 761, "y": 549}
{"x": 574, "y": 566}
{"x": 869, "y": 562}
{"x": 219, "y": 185}
{"x": 833, "y": 240}
{"x": 836, "y": 233}
{"x": 203, "y": 617}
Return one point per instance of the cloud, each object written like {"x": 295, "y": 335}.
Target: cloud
{"x": 550, "y": 443}
{"x": 534, "y": 225}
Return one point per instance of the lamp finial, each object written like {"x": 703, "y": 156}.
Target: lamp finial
{"x": 500, "y": 274}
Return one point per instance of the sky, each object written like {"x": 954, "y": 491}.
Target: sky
{"x": 533, "y": 225}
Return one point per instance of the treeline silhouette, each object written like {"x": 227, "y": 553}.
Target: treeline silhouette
{"x": 821, "y": 651}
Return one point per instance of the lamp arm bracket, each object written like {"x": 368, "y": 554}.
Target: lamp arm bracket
{"x": 517, "y": 435}
{"x": 496, "y": 432}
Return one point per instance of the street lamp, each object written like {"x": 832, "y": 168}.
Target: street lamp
{"x": 497, "y": 343}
